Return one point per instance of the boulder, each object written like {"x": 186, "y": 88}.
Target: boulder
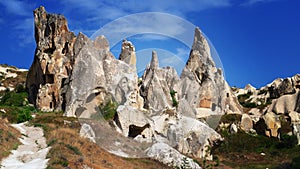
{"x": 233, "y": 128}
{"x": 87, "y": 131}
{"x": 273, "y": 124}
{"x": 169, "y": 156}
{"x": 192, "y": 137}
{"x": 284, "y": 104}
{"x": 295, "y": 121}
{"x": 246, "y": 123}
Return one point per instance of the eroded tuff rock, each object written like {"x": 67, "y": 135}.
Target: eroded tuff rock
{"x": 276, "y": 103}
{"x": 128, "y": 53}
{"x": 175, "y": 125}
{"x": 169, "y": 156}
{"x": 52, "y": 61}
{"x": 76, "y": 74}
{"x": 202, "y": 84}
{"x": 67, "y": 70}
{"x": 157, "y": 83}
{"x": 101, "y": 75}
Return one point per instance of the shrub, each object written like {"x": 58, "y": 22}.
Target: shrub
{"x": 20, "y": 88}
{"x": 174, "y": 101}
{"x": 243, "y": 100}
{"x": 262, "y": 92}
{"x": 14, "y": 99}
{"x": 108, "y": 110}
{"x": 231, "y": 118}
{"x": 24, "y": 115}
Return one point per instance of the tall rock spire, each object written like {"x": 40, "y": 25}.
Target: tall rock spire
{"x": 52, "y": 61}
{"x": 203, "y": 84}
{"x": 154, "y": 61}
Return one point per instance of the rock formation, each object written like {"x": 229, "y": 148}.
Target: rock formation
{"x": 174, "y": 159}
{"x": 274, "y": 104}
{"x": 128, "y": 53}
{"x": 157, "y": 83}
{"x": 202, "y": 83}
{"x": 76, "y": 75}
{"x": 53, "y": 60}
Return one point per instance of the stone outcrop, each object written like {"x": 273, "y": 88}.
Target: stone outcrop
{"x": 169, "y": 156}
{"x": 157, "y": 83}
{"x": 246, "y": 123}
{"x": 202, "y": 83}
{"x": 134, "y": 122}
{"x": 53, "y": 59}
{"x": 128, "y": 53}
{"x": 87, "y": 131}
{"x": 277, "y": 103}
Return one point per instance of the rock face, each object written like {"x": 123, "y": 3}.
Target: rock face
{"x": 157, "y": 83}
{"x": 53, "y": 59}
{"x": 128, "y": 53}
{"x": 203, "y": 85}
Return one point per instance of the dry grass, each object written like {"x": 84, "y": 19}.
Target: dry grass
{"x": 8, "y": 138}
{"x": 70, "y": 150}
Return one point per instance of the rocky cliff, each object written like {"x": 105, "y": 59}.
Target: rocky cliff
{"x": 77, "y": 75}
{"x": 53, "y": 61}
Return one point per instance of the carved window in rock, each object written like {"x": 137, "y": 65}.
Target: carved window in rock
{"x": 49, "y": 78}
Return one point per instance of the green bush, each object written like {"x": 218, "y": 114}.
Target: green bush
{"x": 17, "y": 114}
{"x": 14, "y": 99}
{"x": 24, "y": 115}
{"x": 262, "y": 92}
{"x": 174, "y": 101}
{"x": 242, "y": 99}
{"x": 231, "y": 118}
{"x": 20, "y": 88}
{"x": 108, "y": 110}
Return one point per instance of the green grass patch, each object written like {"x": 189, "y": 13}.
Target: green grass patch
{"x": 239, "y": 147}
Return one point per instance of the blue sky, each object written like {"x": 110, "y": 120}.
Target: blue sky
{"x": 257, "y": 40}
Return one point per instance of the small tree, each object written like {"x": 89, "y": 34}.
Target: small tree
{"x": 174, "y": 101}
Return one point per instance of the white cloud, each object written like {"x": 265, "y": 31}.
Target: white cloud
{"x": 160, "y": 24}
{"x": 22, "y": 25}
{"x": 16, "y": 7}
{"x": 24, "y": 31}
{"x": 97, "y": 13}
{"x": 252, "y": 2}
{"x": 150, "y": 37}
